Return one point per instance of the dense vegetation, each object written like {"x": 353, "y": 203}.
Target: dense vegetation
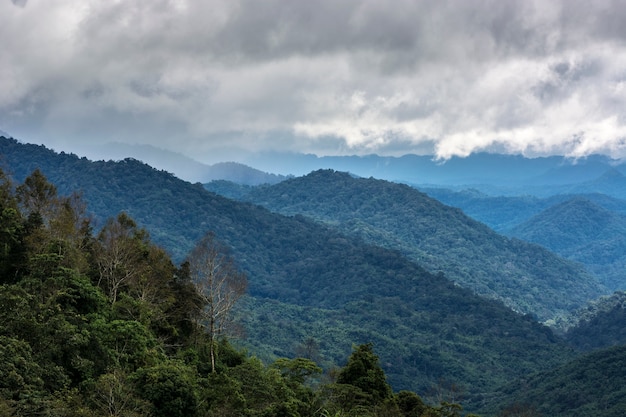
{"x": 581, "y": 230}
{"x": 313, "y": 295}
{"x": 601, "y": 324}
{"x": 526, "y": 277}
{"x": 592, "y": 385}
{"x": 309, "y": 283}
{"x": 106, "y": 325}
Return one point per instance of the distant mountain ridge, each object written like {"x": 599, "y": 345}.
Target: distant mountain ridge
{"x": 501, "y": 174}
{"x": 182, "y": 166}
{"x": 513, "y": 174}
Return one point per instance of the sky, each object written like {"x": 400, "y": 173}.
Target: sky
{"x": 209, "y": 78}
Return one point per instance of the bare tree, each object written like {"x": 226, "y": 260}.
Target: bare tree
{"x": 219, "y": 283}
{"x": 119, "y": 254}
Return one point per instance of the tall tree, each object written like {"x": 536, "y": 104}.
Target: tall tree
{"x": 219, "y": 283}
{"x": 364, "y": 372}
{"x": 37, "y": 196}
{"x": 121, "y": 248}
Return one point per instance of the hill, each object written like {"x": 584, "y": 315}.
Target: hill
{"x": 526, "y": 277}
{"x": 240, "y": 174}
{"x": 502, "y": 213}
{"x": 180, "y": 165}
{"x": 307, "y": 281}
{"x": 592, "y": 385}
{"x": 599, "y": 325}
{"x": 581, "y": 230}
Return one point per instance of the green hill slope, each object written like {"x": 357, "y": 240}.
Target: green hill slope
{"x": 309, "y": 281}
{"x": 601, "y": 324}
{"x": 581, "y": 230}
{"x": 526, "y": 277}
{"x": 591, "y": 386}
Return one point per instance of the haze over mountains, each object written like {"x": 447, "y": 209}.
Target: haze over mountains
{"x": 491, "y": 173}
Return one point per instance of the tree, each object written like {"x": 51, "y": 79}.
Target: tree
{"x": 219, "y": 283}
{"x": 121, "y": 248}
{"x": 364, "y": 372}
{"x": 37, "y": 196}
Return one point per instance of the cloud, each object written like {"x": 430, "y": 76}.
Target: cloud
{"x": 327, "y": 77}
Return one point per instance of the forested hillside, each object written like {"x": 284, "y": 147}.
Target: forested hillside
{"x": 307, "y": 281}
{"x": 599, "y": 325}
{"x": 581, "y": 230}
{"x": 105, "y": 325}
{"x": 502, "y": 213}
{"x": 526, "y": 277}
{"x": 593, "y": 385}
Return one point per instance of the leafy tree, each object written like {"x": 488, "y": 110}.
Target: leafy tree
{"x": 219, "y": 284}
{"x": 20, "y": 375}
{"x": 410, "y": 404}
{"x": 364, "y": 373}
{"x": 170, "y": 387}
{"x": 37, "y": 196}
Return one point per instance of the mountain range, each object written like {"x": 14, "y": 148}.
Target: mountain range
{"x": 442, "y": 239}
{"x": 310, "y": 281}
{"x": 336, "y": 269}
{"x": 495, "y": 174}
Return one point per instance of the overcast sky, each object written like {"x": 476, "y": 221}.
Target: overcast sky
{"x": 322, "y": 76}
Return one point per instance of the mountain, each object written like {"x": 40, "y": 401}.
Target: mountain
{"x": 510, "y": 174}
{"x": 308, "y": 281}
{"x": 180, "y": 165}
{"x": 526, "y": 277}
{"x": 240, "y": 174}
{"x": 503, "y": 213}
{"x": 491, "y": 173}
{"x": 612, "y": 182}
{"x": 592, "y": 385}
{"x": 581, "y": 230}
{"x": 500, "y": 213}
{"x": 176, "y": 163}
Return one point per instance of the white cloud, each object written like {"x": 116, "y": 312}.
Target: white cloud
{"x": 326, "y": 76}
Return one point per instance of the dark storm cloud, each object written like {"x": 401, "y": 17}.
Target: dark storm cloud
{"x": 326, "y": 76}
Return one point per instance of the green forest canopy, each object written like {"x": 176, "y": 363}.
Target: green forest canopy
{"x": 106, "y": 325}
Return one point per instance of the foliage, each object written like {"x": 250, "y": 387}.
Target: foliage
{"x": 593, "y": 385}
{"x": 104, "y": 325}
{"x": 582, "y": 230}
{"x": 601, "y": 324}
{"x": 364, "y": 373}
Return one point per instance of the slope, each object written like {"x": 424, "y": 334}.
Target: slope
{"x": 309, "y": 281}
{"x": 503, "y": 213}
{"x": 526, "y": 277}
{"x": 592, "y": 386}
{"x": 601, "y": 324}
{"x": 581, "y": 230}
